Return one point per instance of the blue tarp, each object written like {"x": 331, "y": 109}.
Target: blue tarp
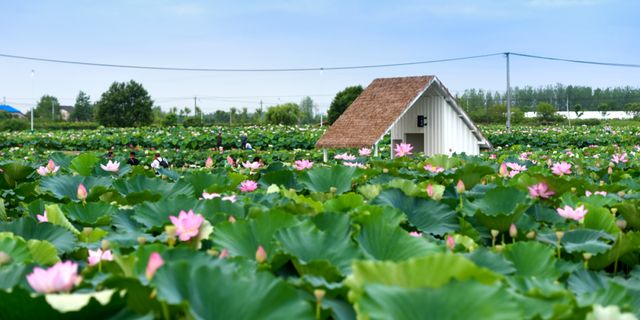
{"x": 9, "y": 109}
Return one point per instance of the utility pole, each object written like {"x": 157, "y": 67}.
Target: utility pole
{"x": 195, "y": 105}
{"x": 52, "y": 111}
{"x": 32, "y": 101}
{"x": 487, "y": 111}
{"x": 321, "y": 89}
{"x": 508, "y": 97}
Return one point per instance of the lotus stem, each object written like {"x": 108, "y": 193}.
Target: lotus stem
{"x": 165, "y": 310}
{"x": 318, "y": 311}
{"x": 615, "y": 266}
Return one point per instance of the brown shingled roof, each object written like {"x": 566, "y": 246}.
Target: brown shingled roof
{"x": 373, "y": 112}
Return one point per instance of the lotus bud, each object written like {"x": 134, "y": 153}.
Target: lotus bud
{"x": 531, "y": 235}
{"x": 292, "y": 191}
{"x": 171, "y": 232}
{"x": 224, "y": 254}
{"x": 472, "y": 249}
{"x": 493, "y": 178}
{"x": 621, "y": 194}
{"x": 319, "y": 293}
{"x": 155, "y": 262}
{"x": 460, "y": 187}
{"x": 450, "y": 243}
{"x": 104, "y": 245}
{"x": 153, "y": 294}
{"x": 573, "y": 190}
{"x": 499, "y": 248}
{"x": 333, "y": 190}
{"x": 549, "y": 162}
{"x": 385, "y": 170}
{"x": 261, "y": 255}
{"x": 212, "y": 252}
{"x": 164, "y": 177}
{"x": 494, "y": 233}
{"x": 614, "y": 211}
{"x": 587, "y": 256}
{"x": 232, "y": 219}
{"x": 76, "y": 174}
{"x": 5, "y": 259}
{"x": 503, "y": 172}
{"x": 610, "y": 171}
{"x": 513, "y": 231}
{"x": 559, "y": 234}
{"x": 597, "y": 164}
{"x": 142, "y": 240}
{"x": 87, "y": 231}
{"x": 622, "y": 224}
{"x": 82, "y": 192}
{"x": 438, "y": 197}
{"x": 580, "y": 172}
{"x": 601, "y": 183}
{"x": 430, "y": 190}
{"x": 184, "y": 169}
{"x": 209, "y": 163}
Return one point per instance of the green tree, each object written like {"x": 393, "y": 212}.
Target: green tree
{"x": 244, "y": 116}
{"x": 170, "y": 120}
{"x": 342, "y": 101}
{"x": 43, "y": 108}
{"x": 578, "y": 110}
{"x": 83, "y": 110}
{"x": 632, "y": 109}
{"x": 308, "y": 109}
{"x": 288, "y": 113}
{"x": 232, "y": 115}
{"x": 192, "y": 122}
{"x": 498, "y": 113}
{"x": 125, "y": 105}
{"x": 604, "y": 108}
{"x": 546, "y": 111}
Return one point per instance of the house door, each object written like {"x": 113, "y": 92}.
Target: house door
{"x": 417, "y": 142}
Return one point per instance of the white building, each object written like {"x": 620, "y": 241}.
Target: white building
{"x": 416, "y": 110}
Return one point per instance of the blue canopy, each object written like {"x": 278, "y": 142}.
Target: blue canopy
{"x": 9, "y": 109}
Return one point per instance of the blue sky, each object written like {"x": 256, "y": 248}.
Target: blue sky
{"x": 303, "y": 34}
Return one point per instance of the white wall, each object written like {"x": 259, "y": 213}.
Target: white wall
{"x": 587, "y": 115}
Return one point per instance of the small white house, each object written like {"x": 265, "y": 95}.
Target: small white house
{"x": 416, "y": 110}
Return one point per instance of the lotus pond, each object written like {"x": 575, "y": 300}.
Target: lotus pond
{"x": 520, "y": 233}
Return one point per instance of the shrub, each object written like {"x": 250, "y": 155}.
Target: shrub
{"x": 13, "y": 125}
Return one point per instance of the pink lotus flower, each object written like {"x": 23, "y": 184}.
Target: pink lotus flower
{"x": 111, "y": 166}
{"x": 588, "y": 193}
{"x": 515, "y": 166}
{"x": 251, "y": 165}
{"x": 43, "y": 171}
{"x": 210, "y": 196}
{"x": 261, "y": 255}
{"x": 403, "y": 149}
{"x": 540, "y": 190}
{"x": 416, "y": 234}
{"x": 232, "y": 219}
{"x": 187, "y": 224}
{"x": 209, "y": 163}
{"x": 450, "y": 243}
{"x": 561, "y": 168}
{"x": 430, "y": 190}
{"x": 82, "y": 192}
{"x": 303, "y": 164}
{"x": 155, "y": 262}
{"x": 230, "y": 161}
{"x": 51, "y": 166}
{"x": 43, "y": 218}
{"x": 248, "y": 186}
{"x": 617, "y": 158}
{"x": 59, "y": 278}
{"x": 353, "y": 164}
{"x": 231, "y": 198}
{"x": 570, "y": 213}
{"x": 430, "y": 167}
{"x": 364, "y": 152}
{"x": 503, "y": 171}
{"x": 493, "y": 156}
{"x": 96, "y": 256}
{"x": 460, "y": 187}
{"x": 224, "y": 254}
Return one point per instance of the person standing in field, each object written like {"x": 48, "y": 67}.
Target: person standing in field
{"x": 158, "y": 162}
{"x": 219, "y": 140}
{"x": 243, "y": 143}
{"x": 132, "y": 159}
{"x": 607, "y": 129}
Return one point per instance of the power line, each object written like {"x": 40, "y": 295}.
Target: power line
{"x": 578, "y": 61}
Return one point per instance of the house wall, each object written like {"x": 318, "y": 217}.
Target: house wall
{"x": 443, "y": 127}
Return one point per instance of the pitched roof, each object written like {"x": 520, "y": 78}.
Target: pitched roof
{"x": 9, "y": 109}
{"x": 371, "y": 114}
{"x": 67, "y": 108}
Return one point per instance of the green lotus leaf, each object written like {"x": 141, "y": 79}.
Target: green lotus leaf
{"x": 16, "y": 276}
{"x": 61, "y": 159}
{"x": 16, "y": 248}
{"x": 127, "y": 239}
{"x": 442, "y": 160}
{"x": 141, "y": 183}
{"x": 15, "y": 171}
{"x": 243, "y": 237}
{"x": 60, "y": 237}
{"x": 427, "y": 215}
{"x": 499, "y": 208}
{"x": 630, "y": 211}
{"x": 90, "y": 214}
{"x": 123, "y": 221}
{"x": 585, "y": 240}
{"x": 83, "y": 164}
{"x": 481, "y": 302}
{"x": 55, "y": 216}
{"x": 541, "y": 298}
{"x": 532, "y": 259}
{"x": 382, "y": 241}
{"x": 583, "y": 281}
{"x": 624, "y": 243}
{"x": 43, "y": 252}
{"x": 338, "y": 224}
{"x": 322, "y": 179}
{"x": 370, "y": 191}
{"x": 408, "y": 187}
{"x": 344, "y": 203}
{"x": 559, "y": 185}
{"x": 316, "y": 245}
{"x": 544, "y": 213}
{"x": 172, "y": 174}
{"x": 471, "y": 174}
{"x": 491, "y": 260}
{"x": 600, "y": 219}
{"x": 285, "y": 178}
{"x": 613, "y": 294}
{"x": 62, "y": 186}
{"x": 389, "y": 214}
{"x": 270, "y": 298}
{"x": 153, "y": 215}
{"x": 203, "y": 180}
{"x": 610, "y": 313}
{"x": 210, "y": 208}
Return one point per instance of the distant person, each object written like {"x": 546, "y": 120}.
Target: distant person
{"x": 607, "y": 129}
{"x": 247, "y": 146}
{"x": 159, "y": 162}
{"x": 258, "y": 160}
{"x": 132, "y": 159}
{"x": 244, "y": 141}
{"x": 109, "y": 155}
{"x": 219, "y": 140}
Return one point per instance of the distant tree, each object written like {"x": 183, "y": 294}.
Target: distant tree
{"x": 604, "y": 108}
{"x": 244, "y": 116}
{"x": 125, "y": 105}
{"x": 170, "y": 120}
{"x": 517, "y": 116}
{"x": 632, "y": 109}
{"x": 288, "y": 113}
{"x": 232, "y": 115}
{"x": 546, "y": 111}
{"x": 198, "y": 112}
{"x": 192, "y": 122}
{"x": 187, "y": 111}
{"x": 613, "y": 105}
{"x": 578, "y": 110}
{"x": 158, "y": 115}
{"x": 82, "y": 110}
{"x": 498, "y": 113}
{"x": 342, "y": 101}
{"x": 526, "y": 109}
{"x": 221, "y": 117}
{"x": 43, "y": 108}
{"x": 308, "y": 109}
{"x": 257, "y": 116}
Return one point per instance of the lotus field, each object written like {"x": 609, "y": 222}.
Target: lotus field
{"x": 547, "y": 226}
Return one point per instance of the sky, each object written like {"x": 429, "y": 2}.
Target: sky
{"x": 306, "y": 34}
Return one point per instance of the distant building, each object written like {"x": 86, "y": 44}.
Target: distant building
{"x": 65, "y": 111}
{"x": 13, "y": 111}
